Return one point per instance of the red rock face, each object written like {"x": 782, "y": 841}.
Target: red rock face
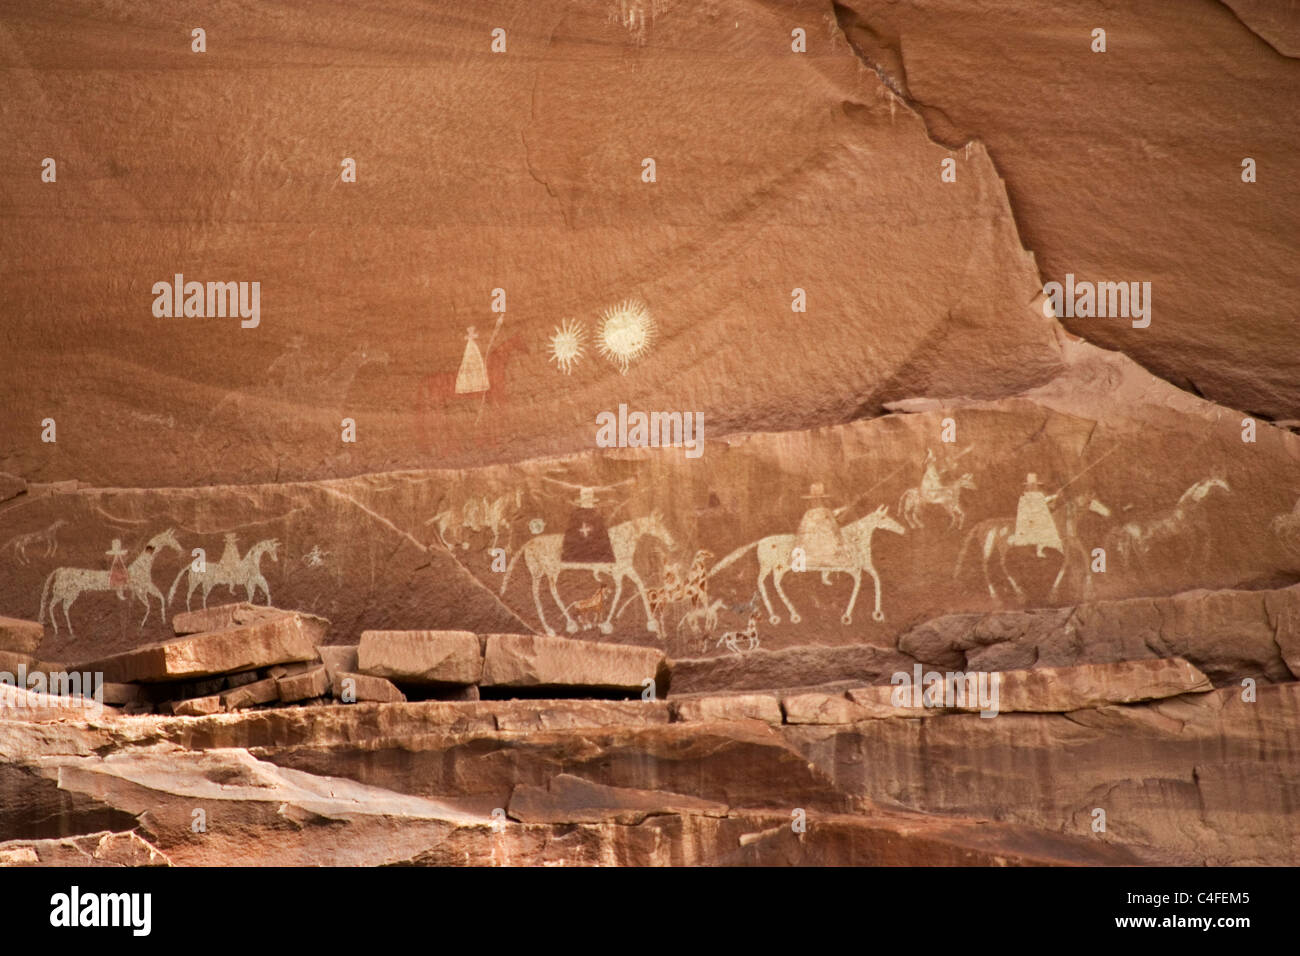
{"x": 818, "y": 274}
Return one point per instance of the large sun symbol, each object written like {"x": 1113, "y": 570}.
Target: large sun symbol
{"x": 625, "y": 332}
{"x": 566, "y": 345}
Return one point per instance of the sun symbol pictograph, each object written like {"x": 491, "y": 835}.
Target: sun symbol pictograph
{"x": 566, "y": 345}
{"x": 626, "y": 331}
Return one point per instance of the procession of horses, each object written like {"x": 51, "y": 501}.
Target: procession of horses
{"x": 820, "y": 545}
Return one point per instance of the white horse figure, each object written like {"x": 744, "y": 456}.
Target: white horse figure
{"x": 543, "y": 556}
{"x": 946, "y": 496}
{"x": 231, "y": 571}
{"x": 774, "y": 557}
{"x": 65, "y": 585}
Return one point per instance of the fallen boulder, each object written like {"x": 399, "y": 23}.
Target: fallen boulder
{"x": 305, "y": 686}
{"x": 355, "y": 688}
{"x": 764, "y": 707}
{"x": 250, "y": 695}
{"x": 338, "y": 658}
{"x": 198, "y": 706}
{"x": 274, "y": 640}
{"x": 225, "y": 616}
{"x": 528, "y": 660}
{"x": 421, "y": 657}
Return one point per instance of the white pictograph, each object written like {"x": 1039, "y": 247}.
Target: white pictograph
{"x": 64, "y": 585}
{"x": 45, "y": 540}
{"x": 232, "y": 572}
{"x": 543, "y": 556}
{"x": 827, "y": 548}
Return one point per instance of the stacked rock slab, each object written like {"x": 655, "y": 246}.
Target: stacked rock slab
{"x": 421, "y": 657}
{"x": 286, "y": 637}
{"x": 518, "y": 661}
{"x": 225, "y": 658}
{"x": 225, "y": 616}
{"x": 307, "y": 685}
{"x": 355, "y": 688}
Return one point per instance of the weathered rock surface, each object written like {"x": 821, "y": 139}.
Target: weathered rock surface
{"x": 704, "y": 707}
{"x": 225, "y": 616}
{"x": 23, "y": 637}
{"x": 528, "y": 661}
{"x": 305, "y": 686}
{"x": 17, "y": 703}
{"x": 1193, "y": 780}
{"x": 338, "y": 658}
{"x": 421, "y": 657}
{"x": 788, "y": 668}
{"x": 1227, "y": 634}
{"x": 354, "y": 688}
{"x": 570, "y": 799}
{"x": 1046, "y": 689}
{"x": 93, "y": 849}
{"x": 1077, "y": 195}
{"x": 11, "y": 662}
{"x": 1040, "y": 690}
{"x": 419, "y": 783}
{"x": 200, "y": 706}
{"x": 250, "y": 695}
{"x": 818, "y": 708}
{"x": 273, "y": 640}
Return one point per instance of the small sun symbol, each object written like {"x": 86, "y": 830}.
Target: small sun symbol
{"x": 566, "y": 345}
{"x": 625, "y": 332}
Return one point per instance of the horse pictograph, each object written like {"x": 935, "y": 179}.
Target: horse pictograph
{"x": 731, "y": 640}
{"x": 701, "y": 622}
{"x": 996, "y": 536}
{"x": 496, "y": 516}
{"x": 45, "y": 539}
{"x": 64, "y": 585}
{"x": 232, "y": 571}
{"x": 854, "y": 557}
{"x": 590, "y": 609}
{"x": 1133, "y": 542}
{"x": 543, "y": 557}
{"x": 945, "y": 495}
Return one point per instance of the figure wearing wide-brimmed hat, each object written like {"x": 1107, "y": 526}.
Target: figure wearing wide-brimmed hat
{"x": 117, "y": 575}
{"x": 1034, "y": 522}
{"x": 819, "y": 530}
{"x": 586, "y": 537}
